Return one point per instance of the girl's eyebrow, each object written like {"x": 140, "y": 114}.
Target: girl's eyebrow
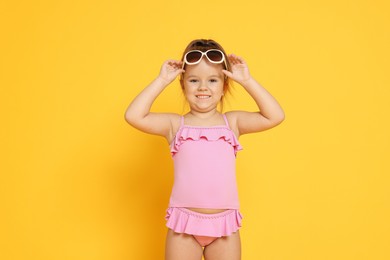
{"x": 210, "y": 76}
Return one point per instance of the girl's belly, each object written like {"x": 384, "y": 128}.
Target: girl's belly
{"x": 207, "y": 211}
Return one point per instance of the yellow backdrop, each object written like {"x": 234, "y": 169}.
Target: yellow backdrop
{"x": 77, "y": 182}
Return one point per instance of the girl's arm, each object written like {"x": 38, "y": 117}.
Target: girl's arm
{"x": 270, "y": 114}
{"x": 138, "y": 112}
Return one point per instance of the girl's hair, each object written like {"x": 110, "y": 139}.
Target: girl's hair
{"x": 204, "y": 45}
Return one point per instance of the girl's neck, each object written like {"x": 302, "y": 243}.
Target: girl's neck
{"x": 204, "y": 115}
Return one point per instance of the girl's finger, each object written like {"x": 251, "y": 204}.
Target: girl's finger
{"x": 241, "y": 60}
{"x": 227, "y": 73}
{"x": 236, "y": 59}
{"x": 174, "y": 62}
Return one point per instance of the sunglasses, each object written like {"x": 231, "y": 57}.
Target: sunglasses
{"x": 195, "y": 56}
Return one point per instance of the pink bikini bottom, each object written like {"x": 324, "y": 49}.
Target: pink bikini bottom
{"x": 205, "y": 228}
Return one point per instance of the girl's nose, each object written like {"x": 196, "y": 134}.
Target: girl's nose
{"x": 202, "y": 87}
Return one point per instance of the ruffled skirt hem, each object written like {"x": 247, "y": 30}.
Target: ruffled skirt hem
{"x": 182, "y": 220}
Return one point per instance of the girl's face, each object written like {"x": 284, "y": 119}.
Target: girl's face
{"x": 203, "y": 85}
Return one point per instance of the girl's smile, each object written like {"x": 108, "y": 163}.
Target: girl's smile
{"x": 203, "y": 96}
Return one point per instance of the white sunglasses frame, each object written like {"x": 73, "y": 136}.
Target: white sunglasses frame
{"x": 204, "y": 54}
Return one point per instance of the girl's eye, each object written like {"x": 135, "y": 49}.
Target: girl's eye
{"x": 214, "y": 80}
{"x": 193, "y": 80}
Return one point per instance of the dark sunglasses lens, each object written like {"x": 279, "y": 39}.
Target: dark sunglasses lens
{"x": 193, "y": 56}
{"x": 215, "y": 56}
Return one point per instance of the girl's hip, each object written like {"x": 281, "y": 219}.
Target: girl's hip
{"x": 219, "y": 224}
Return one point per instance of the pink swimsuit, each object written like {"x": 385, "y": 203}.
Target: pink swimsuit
{"x": 205, "y": 177}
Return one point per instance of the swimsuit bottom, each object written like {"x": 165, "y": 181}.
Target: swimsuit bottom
{"x": 204, "y": 227}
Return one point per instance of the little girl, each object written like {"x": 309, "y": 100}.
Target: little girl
{"x": 203, "y": 216}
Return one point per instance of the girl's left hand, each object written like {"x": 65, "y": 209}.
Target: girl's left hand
{"x": 239, "y": 69}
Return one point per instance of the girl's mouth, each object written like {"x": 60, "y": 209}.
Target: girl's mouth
{"x": 202, "y": 96}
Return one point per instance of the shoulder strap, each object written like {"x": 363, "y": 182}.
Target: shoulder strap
{"x": 226, "y": 121}
{"x": 182, "y": 121}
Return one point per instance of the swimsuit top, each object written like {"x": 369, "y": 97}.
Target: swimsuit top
{"x": 204, "y": 167}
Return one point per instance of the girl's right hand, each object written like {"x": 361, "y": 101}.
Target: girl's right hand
{"x": 170, "y": 70}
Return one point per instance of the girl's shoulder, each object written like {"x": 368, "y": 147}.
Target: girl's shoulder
{"x": 231, "y": 117}
{"x": 174, "y": 117}
{"x": 175, "y": 121}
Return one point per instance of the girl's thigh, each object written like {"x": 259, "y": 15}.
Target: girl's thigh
{"x": 182, "y": 246}
{"x": 224, "y": 248}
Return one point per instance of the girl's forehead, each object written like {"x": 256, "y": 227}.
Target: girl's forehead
{"x": 203, "y": 68}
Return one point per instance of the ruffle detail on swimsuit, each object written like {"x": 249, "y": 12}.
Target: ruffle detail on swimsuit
{"x": 182, "y": 220}
{"x": 213, "y": 133}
